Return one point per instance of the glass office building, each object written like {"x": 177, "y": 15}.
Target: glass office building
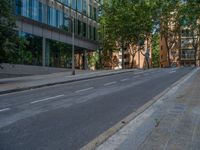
{"x": 49, "y": 23}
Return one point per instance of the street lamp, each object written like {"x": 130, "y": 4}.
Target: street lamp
{"x": 73, "y": 65}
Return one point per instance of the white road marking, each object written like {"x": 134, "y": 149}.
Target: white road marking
{"x": 126, "y": 79}
{"x": 46, "y": 99}
{"x": 5, "y": 109}
{"x": 136, "y": 76}
{"x": 83, "y": 90}
{"x": 172, "y": 71}
{"x": 110, "y": 83}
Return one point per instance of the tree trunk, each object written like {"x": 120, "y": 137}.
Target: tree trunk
{"x": 168, "y": 51}
{"x": 147, "y": 63}
{"x": 123, "y": 62}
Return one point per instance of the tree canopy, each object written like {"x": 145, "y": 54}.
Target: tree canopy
{"x": 7, "y": 33}
{"x": 126, "y": 22}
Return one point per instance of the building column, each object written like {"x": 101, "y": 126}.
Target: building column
{"x": 43, "y": 51}
{"x": 85, "y": 62}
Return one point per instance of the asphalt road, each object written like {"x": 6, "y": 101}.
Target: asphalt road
{"x": 68, "y": 116}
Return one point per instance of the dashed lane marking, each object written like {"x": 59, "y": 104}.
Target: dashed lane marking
{"x": 123, "y": 80}
{"x": 84, "y": 90}
{"x": 5, "y": 109}
{"x": 46, "y": 99}
{"x": 110, "y": 83}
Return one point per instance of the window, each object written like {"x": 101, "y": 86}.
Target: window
{"x": 44, "y": 13}
{"x": 79, "y": 28}
{"x": 60, "y": 19}
{"x": 18, "y": 7}
{"x": 66, "y": 22}
{"x": 74, "y": 4}
{"x": 36, "y": 10}
{"x": 30, "y": 8}
{"x": 79, "y": 5}
{"x": 91, "y": 34}
{"x": 95, "y": 14}
{"x": 84, "y": 7}
{"x": 57, "y": 18}
{"x": 40, "y": 11}
{"x": 94, "y": 32}
{"x": 91, "y": 12}
{"x": 51, "y": 16}
{"x": 84, "y": 29}
{"x": 24, "y": 8}
{"x": 68, "y": 2}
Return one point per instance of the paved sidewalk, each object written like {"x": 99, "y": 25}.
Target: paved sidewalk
{"x": 8, "y": 85}
{"x": 171, "y": 123}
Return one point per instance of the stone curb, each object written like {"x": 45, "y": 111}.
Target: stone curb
{"x": 104, "y": 136}
{"x": 70, "y": 81}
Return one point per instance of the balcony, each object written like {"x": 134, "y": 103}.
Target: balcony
{"x": 187, "y": 57}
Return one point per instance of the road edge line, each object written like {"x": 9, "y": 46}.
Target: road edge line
{"x": 111, "y": 131}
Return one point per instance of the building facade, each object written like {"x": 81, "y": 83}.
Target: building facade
{"x": 184, "y": 52}
{"x": 189, "y": 48}
{"x": 47, "y": 27}
{"x": 134, "y": 57}
{"x": 184, "y": 49}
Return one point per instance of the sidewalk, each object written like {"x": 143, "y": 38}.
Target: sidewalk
{"x": 8, "y": 85}
{"x": 171, "y": 123}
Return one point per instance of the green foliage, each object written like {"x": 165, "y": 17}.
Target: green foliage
{"x": 190, "y": 14}
{"x": 7, "y": 34}
{"x": 125, "y": 22}
{"x": 22, "y": 55}
{"x": 93, "y": 60}
{"x": 156, "y": 50}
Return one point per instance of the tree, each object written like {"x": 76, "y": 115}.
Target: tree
{"x": 124, "y": 23}
{"x": 168, "y": 15}
{"x": 155, "y": 50}
{"x": 7, "y": 34}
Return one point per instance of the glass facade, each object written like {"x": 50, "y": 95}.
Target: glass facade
{"x": 79, "y": 5}
{"x": 84, "y": 7}
{"x": 60, "y": 54}
{"x": 31, "y": 48}
{"x": 28, "y": 50}
{"x": 38, "y": 11}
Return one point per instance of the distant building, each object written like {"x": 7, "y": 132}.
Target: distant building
{"x": 134, "y": 57}
{"x": 47, "y": 26}
{"x": 184, "y": 52}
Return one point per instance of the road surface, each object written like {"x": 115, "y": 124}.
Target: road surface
{"x": 68, "y": 116}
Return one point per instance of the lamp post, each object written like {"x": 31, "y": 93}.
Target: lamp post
{"x": 73, "y": 64}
